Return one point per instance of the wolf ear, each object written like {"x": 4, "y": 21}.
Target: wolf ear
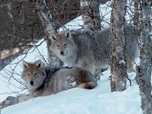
{"x": 68, "y": 34}
{"x": 39, "y": 64}
{"x": 25, "y": 64}
{"x": 53, "y": 37}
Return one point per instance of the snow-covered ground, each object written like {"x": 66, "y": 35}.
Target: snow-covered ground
{"x": 74, "y": 101}
{"x": 80, "y": 101}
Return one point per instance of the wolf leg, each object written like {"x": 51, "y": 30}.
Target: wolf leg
{"x": 130, "y": 65}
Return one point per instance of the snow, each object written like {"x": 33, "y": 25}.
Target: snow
{"x": 99, "y": 100}
{"x": 81, "y": 101}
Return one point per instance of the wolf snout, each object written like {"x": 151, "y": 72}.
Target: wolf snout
{"x": 32, "y": 83}
{"x": 63, "y": 53}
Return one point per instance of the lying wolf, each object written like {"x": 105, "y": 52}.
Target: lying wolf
{"x": 43, "y": 81}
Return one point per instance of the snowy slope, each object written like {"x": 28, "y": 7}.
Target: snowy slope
{"x": 74, "y": 101}
{"x": 80, "y": 101}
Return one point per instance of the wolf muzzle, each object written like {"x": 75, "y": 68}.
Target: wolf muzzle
{"x": 32, "y": 83}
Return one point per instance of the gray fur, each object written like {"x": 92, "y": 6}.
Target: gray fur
{"x": 92, "y": 51}
{"x": 55, "y": 80}
{"x": 67, "y": 78}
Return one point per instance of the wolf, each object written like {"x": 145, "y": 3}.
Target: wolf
{"x": 92, "y": 52}
{"x": 41, "y": 80}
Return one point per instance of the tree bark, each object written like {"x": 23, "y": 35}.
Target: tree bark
{"x": 90, "y": 14}
{"x": 144, "y": 70}
{"x": 117, "y": 58}
{"x": 50, "y": 28}
{"x": 103, "y": 1}
{"x": 136, "y": 13}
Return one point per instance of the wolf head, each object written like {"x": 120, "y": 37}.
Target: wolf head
{"x": 33, "y": 74}
{"x": 62, "y": 44}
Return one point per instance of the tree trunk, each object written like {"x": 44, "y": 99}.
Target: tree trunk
{"x": 144, "y": 70}
{"x": 50, "y": 28}
{"x": 90, "y": 14}
{"x": 136, "y": 13}
{"x": 103, "y": 1}
{"x": 117, "y": 58}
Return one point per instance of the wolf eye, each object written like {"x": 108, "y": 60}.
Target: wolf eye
{"x": 35, "y": 74}
{"x": 58, "y": 45}
{"x": 28, "y": 74}
{"x": 65, "y": 45}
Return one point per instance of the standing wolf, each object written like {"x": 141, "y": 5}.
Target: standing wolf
{"x": 42, "y": 81}
{"x": 92, "y": 53}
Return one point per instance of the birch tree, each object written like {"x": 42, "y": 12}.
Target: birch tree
{"x": 144, "y": 70}
{"x": 50, "y": 28}
{"x": 90, "y": 14}
{"x": 117, "y": 58}
{"x": 136, "y": 13}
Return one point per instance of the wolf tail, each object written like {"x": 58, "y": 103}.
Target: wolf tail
{"x": 88, "y": 85}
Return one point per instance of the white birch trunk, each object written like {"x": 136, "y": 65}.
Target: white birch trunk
{"x": 50, "y": 28}
{"x": 144, "y": 70}
{"x": 136, "y": 13}
{"x": 117, "y": 58}
{"x": 90, "y": 14}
